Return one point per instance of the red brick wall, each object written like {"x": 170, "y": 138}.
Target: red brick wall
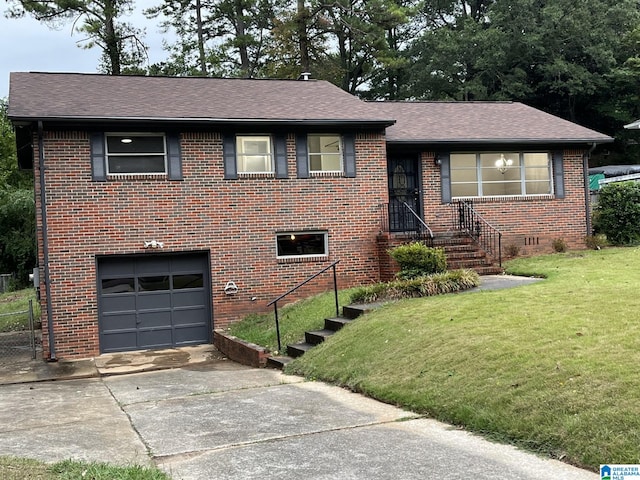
{"x": 529, "y": 223}
{"x": 235, "y": 220}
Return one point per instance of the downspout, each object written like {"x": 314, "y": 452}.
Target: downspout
{"x": 45, "y": 243}
{"x": 587, "y": 199}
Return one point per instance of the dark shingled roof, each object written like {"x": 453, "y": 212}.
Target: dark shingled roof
{"x": 480, "y": 122}
{"x": 72, "y": 96}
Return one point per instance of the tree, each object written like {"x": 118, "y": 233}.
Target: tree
{"x": 218, "y": 37}
{"x": 617, "y": 214}
{"x": 17, "y": 208}
{"x": 121, "y": 43}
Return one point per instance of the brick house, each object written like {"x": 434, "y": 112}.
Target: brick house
{"x": 170, "y": 206}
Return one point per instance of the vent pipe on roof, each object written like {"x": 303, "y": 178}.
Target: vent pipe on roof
{"x": 305, "y": 76}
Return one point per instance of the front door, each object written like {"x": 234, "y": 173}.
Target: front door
{"x": 404, "y": 190}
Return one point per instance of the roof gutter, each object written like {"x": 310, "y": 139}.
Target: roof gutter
{"x": 45, "y": 242}
{"x": 587, "y": 200}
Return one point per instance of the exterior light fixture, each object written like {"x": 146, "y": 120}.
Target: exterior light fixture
{"x": 126, "y": 140}
{"x": 292, "y": 236}
{"x": 153, "y": 244}
{"x": 437, "y": 161}
{"x": 503, "y": 163}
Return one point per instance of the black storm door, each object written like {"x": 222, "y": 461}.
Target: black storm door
{"x": 404, "y": 188}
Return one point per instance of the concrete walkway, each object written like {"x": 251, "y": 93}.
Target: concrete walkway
{"x": 221, "y": 420}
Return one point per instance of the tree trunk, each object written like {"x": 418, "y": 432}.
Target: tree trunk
{"x": 303, "y": 37}
{"x": 201, "y": 53}
{"x": 245, "y": 67}
{"x": 112, "y": 43}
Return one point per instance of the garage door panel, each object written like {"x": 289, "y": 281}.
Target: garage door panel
{"x": 119, "y": 342}
{"x": 154, "y": 319}
{"x": 185, "y": 336}
{"x": 117, "y": 322}
{"x": 183, "y": 298}
{"x": 155, "y": 338}
{"x": 120, "y": 303}
{"x": 191, "y": 316}
{"x": 154, "y": 301}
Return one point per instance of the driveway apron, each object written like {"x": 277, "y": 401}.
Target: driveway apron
{"x": 226, "y": 421}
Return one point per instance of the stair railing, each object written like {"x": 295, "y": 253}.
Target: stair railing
{"x": 423, "y": 226}
{"x": 275, "y": 301}
{"x": 481, "y": 231}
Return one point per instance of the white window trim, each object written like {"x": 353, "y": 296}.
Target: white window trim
{"x": 240, "y": 155}
{"x": 134, "y": 134}
{"x": 522, "y": 180}
{"x": 304, "y": 232}
{"x": 340, "y": 154}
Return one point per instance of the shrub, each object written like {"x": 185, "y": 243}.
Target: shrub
{"x": 416, "y": 260}
{"x": 617, "y": 214}
{"x": 425, "y": 286}
{"x": 595, "y": 242}
{"x": 512, "y": 250}
{"x": 559, "y": 245}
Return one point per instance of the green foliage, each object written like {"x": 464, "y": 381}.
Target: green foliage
{"x": 17, "y": 234}
{"x": 596, "y": 242}
{"x": 518, "y": 365}
{"x": 424, "y": 286}
{"x": 617, "y": 214}
{"x": 416, "y": 259}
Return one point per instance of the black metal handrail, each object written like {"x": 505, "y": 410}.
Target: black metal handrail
{"x": 275, "y": 301}
{"x": 420, "y": 221}
{"x": 482, "y": 232}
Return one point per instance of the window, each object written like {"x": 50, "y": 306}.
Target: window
{"x": 302, "y": 244}
{"x": 136, "y": 154}
{"x": 325, "y": 153}
{"x": 254, "y": 154}
{"x": 500, "y": 174}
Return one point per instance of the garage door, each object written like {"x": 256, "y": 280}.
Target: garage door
{"x": 153, "y": 301}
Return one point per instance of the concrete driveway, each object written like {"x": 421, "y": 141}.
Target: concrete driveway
{"x": 225, "y": 421}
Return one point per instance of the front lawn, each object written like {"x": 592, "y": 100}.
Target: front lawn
{"x": 552, "y": 367}
{"x": 14, "y": 308}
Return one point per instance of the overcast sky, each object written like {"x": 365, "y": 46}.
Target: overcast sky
{"x": 30, "y": 46}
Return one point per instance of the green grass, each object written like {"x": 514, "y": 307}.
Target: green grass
{"x": 12, "y": 468}
{"x": 552, "y": 366}
{"x": 17, "y": 301}
{"x": 295, "y": 319}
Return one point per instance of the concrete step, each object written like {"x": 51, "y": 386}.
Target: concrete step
{"x": 296, "y": 350}
{"x": 336, "y": 323}
{"x": 278, "y": 362}
{"x": 318, "y": 336}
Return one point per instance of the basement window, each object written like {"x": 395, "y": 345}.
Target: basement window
{"x": 302, "y": 244}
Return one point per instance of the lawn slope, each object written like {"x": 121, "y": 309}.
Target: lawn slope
{"x": 551, "y": 366}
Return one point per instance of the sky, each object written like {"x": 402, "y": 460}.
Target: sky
{"x": 27, "y": 45}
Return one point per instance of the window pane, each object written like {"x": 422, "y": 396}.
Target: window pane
{"x": 150, "y": 284}
{"x": 135, "y": 144}
{"x": 298, "y": 244}
{"x": 254, "y": 154}
{"x": 324, "y": 153}
{"x": 137, "y": 164}
{"x": 118, "y": 285}
{"x": 463, "y": 160}
{"x": 538, "y": 188}
{"x": 187, "y": 281}
{"x": 464, "y": 190}
{"x": 506, "y": 161}
{"x": 501, "y": 188}
{"x": 536, "y": 160}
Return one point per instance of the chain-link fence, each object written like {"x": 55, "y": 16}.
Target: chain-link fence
{"x": 19, "y": 343}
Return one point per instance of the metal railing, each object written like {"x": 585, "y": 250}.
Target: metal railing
{"x": 482, "y": 232}
{"x": 19, "y": 343}
{"x": 275, "y": 301}
{"x": 400, "y": 217}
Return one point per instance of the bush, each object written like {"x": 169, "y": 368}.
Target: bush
{"x": 416, "y": 260}
{"x": 617, "y": 214}
{"x": 425, "y": 286}
{"x": 595, "y": 242}
{"x": 17, "y": 234}
{"x": 559, "y": 245}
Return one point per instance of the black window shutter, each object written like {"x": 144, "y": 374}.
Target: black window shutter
{"x": 302, "y": 156}
{"x": 174, "y": 156}
{"x": 98, "y": 157}
{"x": 558, "y": 173}
{"x": 280, "y": 146}
{"x": 445, "y": 176}
{"x": 349, "y": 144}
{"x": 229, "y": 157}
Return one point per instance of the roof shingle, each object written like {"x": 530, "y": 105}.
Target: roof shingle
{"x": 480, "y": 122}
